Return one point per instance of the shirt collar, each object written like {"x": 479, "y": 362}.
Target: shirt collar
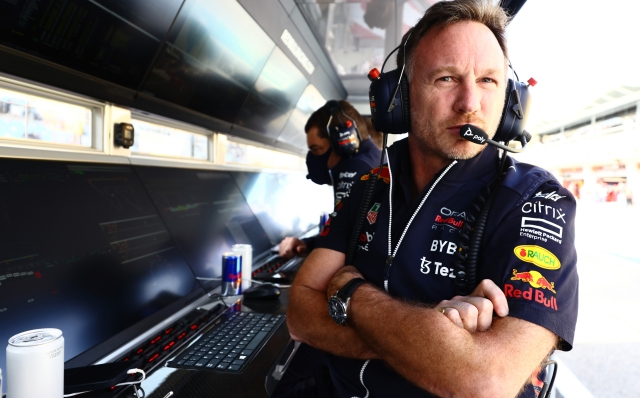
{"x": 465, "y": 170}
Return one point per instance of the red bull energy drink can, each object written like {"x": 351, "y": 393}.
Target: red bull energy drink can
{"x": 324, "y": 217}
{"x": 35, "y": 364}
{"x": 231, "y": 274}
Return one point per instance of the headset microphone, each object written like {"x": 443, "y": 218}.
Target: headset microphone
{"x": 476, "y": 135}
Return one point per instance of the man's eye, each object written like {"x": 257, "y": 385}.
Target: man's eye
{"x": 487, "y": 80}
{"x": 446, "y": 79}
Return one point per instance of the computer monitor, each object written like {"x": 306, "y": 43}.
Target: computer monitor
{"x": 205, "y": 213}
{"x": 82, "y": 249}
{"x": 286, "y": 204}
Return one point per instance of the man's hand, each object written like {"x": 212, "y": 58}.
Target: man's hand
{"x": 290, "y": 247}
{"x": 475, "y": 312}
{"x": 341, "y": 278}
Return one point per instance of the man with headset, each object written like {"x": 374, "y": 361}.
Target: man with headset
{"x": 395, "y": 326}
{"x": 340, "y": 151}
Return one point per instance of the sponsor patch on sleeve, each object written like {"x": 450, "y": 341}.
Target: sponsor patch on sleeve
{"x": 538, "y": 256}
{"x": 384, "y": 174}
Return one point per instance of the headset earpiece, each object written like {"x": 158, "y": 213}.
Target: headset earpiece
{"x": 515, "y": 112}
{"x": 343, "y": 136}
{"x": 389, "y": 101}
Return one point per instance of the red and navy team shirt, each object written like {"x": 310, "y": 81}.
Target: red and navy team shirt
{"x": 527, "y": 249}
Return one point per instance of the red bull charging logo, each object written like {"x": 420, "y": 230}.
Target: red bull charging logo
{"x": 538, "y": 256}
{"x": 534, "y": 278}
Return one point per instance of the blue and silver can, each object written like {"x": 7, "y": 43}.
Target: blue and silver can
{"x": 231, "y": 274}
{"x": 324, "y": 217}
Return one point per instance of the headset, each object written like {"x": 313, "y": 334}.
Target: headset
{"x": 343, "y": 136}
{"x": 390, "y": 108}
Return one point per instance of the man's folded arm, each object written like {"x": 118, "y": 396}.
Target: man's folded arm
{"x": 426, "y": 348}
{"x": 308, "y": 315}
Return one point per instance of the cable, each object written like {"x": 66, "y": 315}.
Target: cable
{"x": 129, "y": 383}
{"x": 220, "y": 298}
{"x": 546, "y": 388}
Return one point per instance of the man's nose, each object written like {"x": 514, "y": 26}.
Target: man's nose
{"x": 468, "y": 98}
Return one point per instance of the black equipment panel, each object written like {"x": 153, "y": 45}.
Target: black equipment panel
{"x": 213, "y": 56}
{"x": 112, "y": 40}
{"x": 274, "y": 95}
{"x": 205, "y": 213}
{"x": 82, "y": 249}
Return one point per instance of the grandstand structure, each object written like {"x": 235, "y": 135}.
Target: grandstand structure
{"x": 595, "y": 152}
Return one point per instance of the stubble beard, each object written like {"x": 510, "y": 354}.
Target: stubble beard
{"x": 433, "y": 138}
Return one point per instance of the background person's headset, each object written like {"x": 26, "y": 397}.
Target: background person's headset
{"x": 344, "y": 136}
{"x": 390, "y": 108}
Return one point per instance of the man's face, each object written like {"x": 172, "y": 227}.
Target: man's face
{"x": 317, "y": 145}
{"x": 458, "y": 78}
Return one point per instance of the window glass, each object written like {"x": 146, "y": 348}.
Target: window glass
{"x": 244, "y": 154}
{"x": 156, "y": 139}
{"x": 293, "y": 132}
{"x": 29, "y": 117}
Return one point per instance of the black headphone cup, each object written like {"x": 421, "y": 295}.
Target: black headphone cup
{"x": 344, "y": 141}
{"x": 343, "y": 134}
{"x": 514, "y": 113}
{"x": 388, "y": 111}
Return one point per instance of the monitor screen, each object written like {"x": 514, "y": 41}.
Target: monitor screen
{"x": 82, "y": 249}
{"x": 214, "y": 53}
{"x": 285, "y": 204}
{"x": 113, "y": 40}
{"x": 205, "y": 213}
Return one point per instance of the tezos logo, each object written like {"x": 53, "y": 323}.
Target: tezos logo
{"x": 537, "y": 255}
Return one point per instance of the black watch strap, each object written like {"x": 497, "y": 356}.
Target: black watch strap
{"x": 347, "y": 290}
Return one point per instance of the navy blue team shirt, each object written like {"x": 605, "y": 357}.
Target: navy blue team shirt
{"x": 527, "y": 250}
{"x": 348, "y": 171}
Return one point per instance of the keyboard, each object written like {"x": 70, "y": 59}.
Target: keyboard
{"x": 231, "y": 344}
{"x": 269, "y": 270}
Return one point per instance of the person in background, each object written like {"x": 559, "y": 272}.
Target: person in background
{"x": 329, "y": 163}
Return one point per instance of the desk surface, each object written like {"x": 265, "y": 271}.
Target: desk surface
{"x": 207, "y": 384}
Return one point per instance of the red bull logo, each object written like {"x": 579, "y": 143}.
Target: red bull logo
{"x": 534, "y": 278}
{"x": 531, "y": 295}
{"x": 449, "y": 220}
{"x": 384, "y": 174}
{"x": 538, "y": 256}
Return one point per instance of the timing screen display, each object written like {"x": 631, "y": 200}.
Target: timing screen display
{"x": 285, "y": 204}
{"x": 205, "y": 213}
{"x": 82, "y": 249}
{"x": 114, "y": 40}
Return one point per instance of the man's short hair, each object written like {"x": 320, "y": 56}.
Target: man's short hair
{"x": 320, "y": 118}
{"x": 445, "y": 13}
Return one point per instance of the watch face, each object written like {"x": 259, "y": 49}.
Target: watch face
{"x": 337, "y": 310}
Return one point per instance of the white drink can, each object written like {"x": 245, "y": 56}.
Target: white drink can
{"x": 246, "y": 251}
{"x": 35, "y": 364}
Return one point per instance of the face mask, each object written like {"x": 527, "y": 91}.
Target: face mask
{"x": 317, "y": 167}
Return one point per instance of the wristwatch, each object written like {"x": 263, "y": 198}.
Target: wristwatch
{"x": 338, "y": 302}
